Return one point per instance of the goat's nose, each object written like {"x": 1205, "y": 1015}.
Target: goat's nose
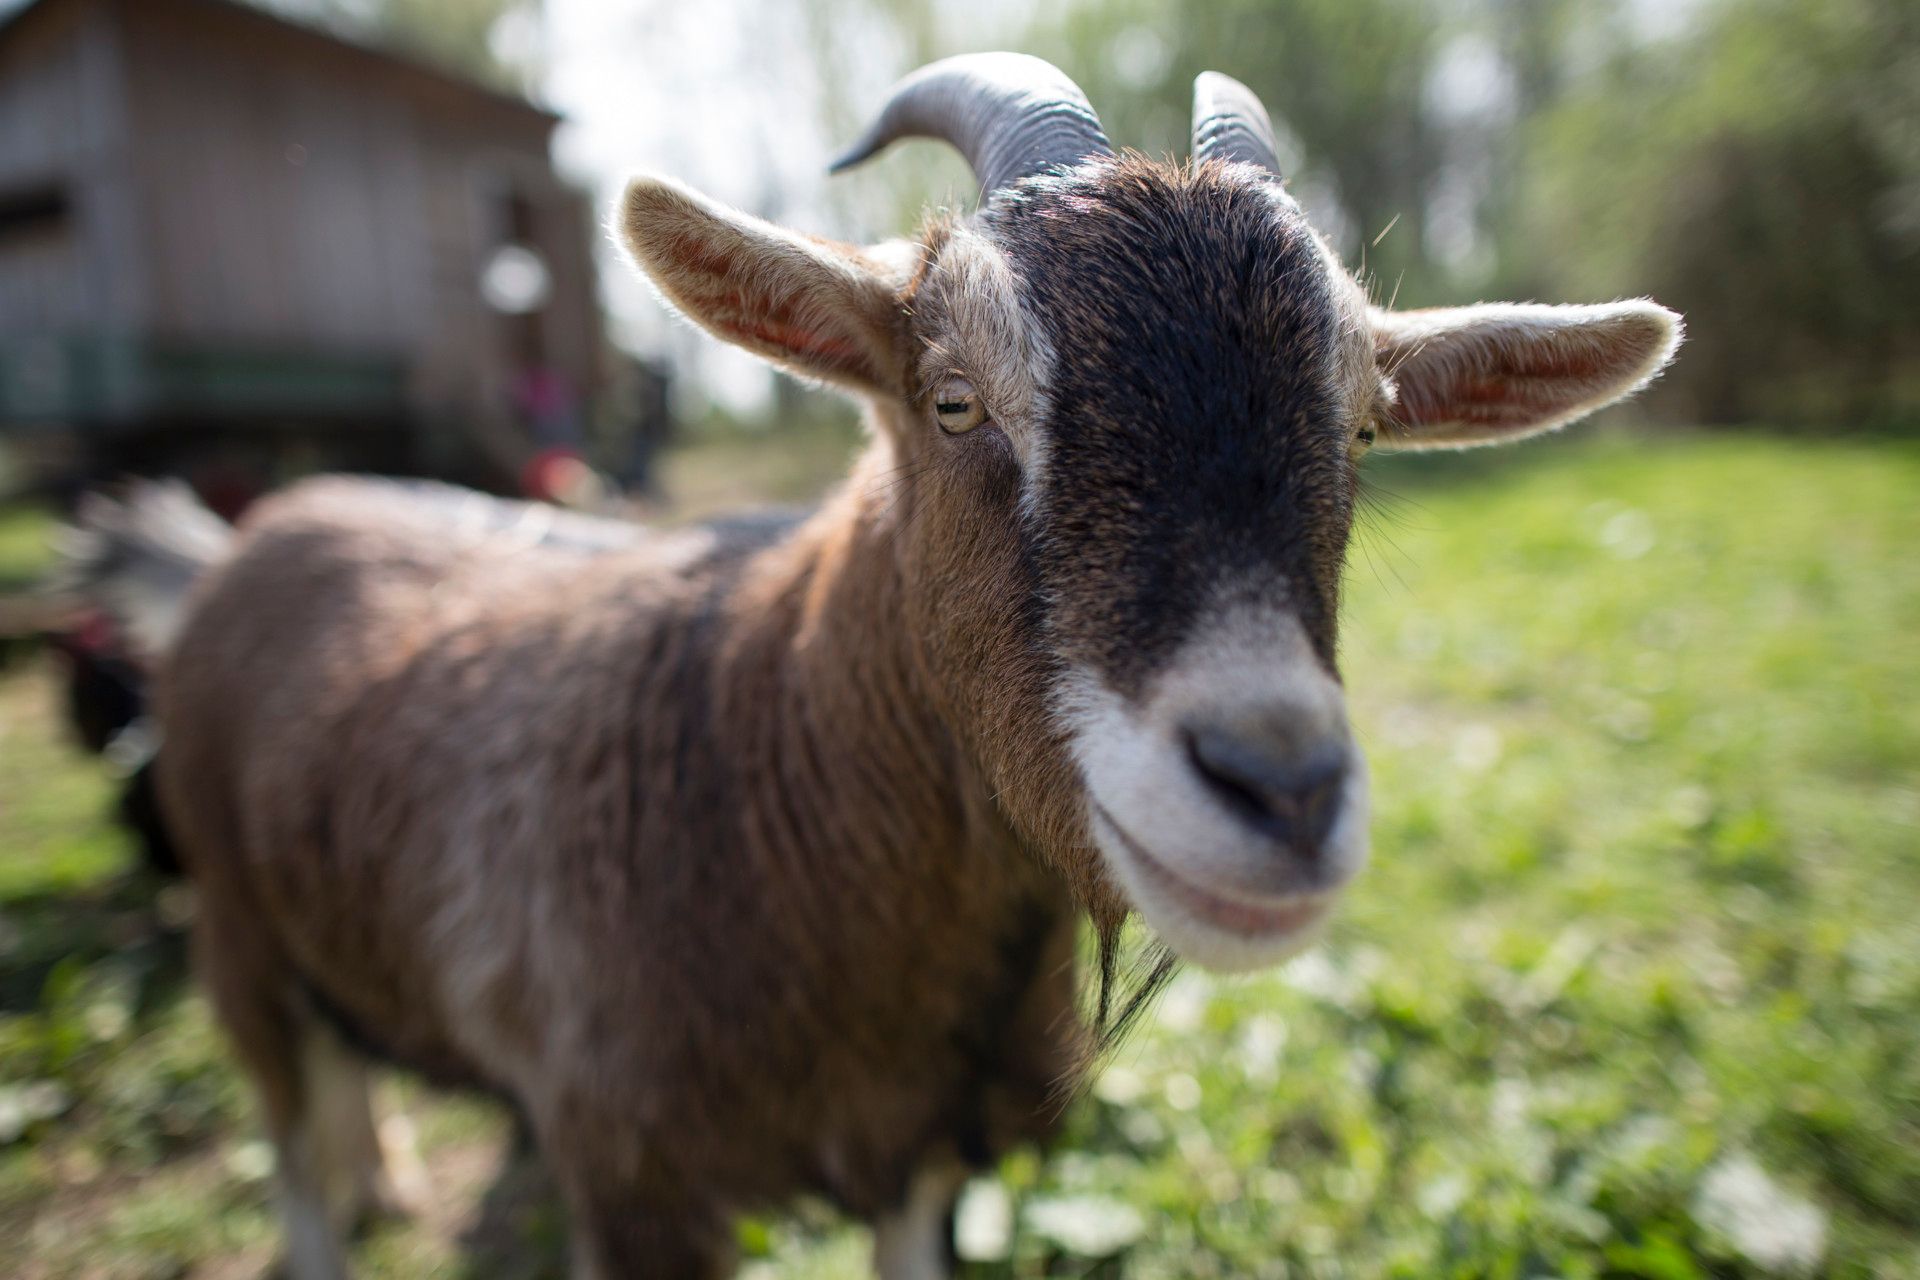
{"x": 1287, "y": 795}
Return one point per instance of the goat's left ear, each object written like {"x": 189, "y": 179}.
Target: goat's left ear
{"x": 1495, "y": 372}
{"x": 821, "y": 309}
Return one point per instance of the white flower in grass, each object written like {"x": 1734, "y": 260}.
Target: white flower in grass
{"x": 1183, "y": 1091}
{"x": 1767, "y": 1224}
{"x": 1085, "y": 1226}
{"x": 1183, "y": 1006}
{"x": 1262, "y": 1040}
{"x": 24, "y": 1105}
{"x": 983, "y": 1222}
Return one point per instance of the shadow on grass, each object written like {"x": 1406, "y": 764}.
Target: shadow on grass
{"x": 121, "y": 942}
{"x": 519, "y": 1229}
{"x": 135, "y": 919}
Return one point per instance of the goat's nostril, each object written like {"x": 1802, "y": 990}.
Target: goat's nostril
{"x": 1292, "y": 798}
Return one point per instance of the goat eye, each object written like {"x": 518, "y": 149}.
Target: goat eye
{"x": 957, "y": 407}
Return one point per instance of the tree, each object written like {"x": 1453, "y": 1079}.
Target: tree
{"x": 1345, "y": 81}
{"x": 455, "y": 34}
{"x": 1760, "y": 173}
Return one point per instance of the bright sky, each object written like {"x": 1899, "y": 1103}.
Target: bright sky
{"x": 727, "y": 96}
{"x": 685, "y": 90}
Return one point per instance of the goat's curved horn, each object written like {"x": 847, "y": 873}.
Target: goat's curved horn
{"x": 1011, "y": 116}
{"x": 1230, "y": 124}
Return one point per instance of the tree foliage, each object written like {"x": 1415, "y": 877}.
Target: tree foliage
{"x": 1762, "y": 175}
{"x": 1754, "y": 163}
{"x": 454, "y": 34}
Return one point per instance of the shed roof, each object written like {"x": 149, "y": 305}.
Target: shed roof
{"x": 241, "y": 13}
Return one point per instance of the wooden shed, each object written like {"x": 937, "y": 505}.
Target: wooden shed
{"x": 222, "y": 229}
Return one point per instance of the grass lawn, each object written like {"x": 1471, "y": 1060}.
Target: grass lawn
{"x": 24, "y": 553}
{"x": 1631, "y": 989}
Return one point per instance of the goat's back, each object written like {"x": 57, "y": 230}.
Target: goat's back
{"x": 391, "y": 698}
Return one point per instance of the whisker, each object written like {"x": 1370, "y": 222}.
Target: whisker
{"x": 897, "y": 481}
{"x": 1380, "y": 503}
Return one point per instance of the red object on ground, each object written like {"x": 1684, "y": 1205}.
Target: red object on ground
{"x": 557, "y": 474}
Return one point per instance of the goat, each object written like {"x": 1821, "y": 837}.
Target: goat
{"x": 746, "y": 860}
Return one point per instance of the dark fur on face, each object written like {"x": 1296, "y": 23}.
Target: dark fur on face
{"x": 1197, "y": 442}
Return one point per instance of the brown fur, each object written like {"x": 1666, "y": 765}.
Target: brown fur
{"x": 513, "y": 814}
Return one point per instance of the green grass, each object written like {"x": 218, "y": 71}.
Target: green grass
{"x": 1631, "y": 989}
{"x": 26, "y": 547}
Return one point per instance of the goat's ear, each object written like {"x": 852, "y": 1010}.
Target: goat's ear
{"x": 1500, "y": 371}
{"x": 824, "y": 310}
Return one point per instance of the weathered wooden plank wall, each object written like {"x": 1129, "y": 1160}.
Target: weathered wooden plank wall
{"x": 236, "y": 182}
{"x": 63, "y": 130}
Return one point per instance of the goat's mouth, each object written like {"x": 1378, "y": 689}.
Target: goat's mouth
{"x": 1248, "y": 927}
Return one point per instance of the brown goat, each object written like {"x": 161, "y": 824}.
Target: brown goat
{"x": 746, "y": 860}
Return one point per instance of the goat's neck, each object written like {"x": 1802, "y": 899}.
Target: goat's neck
{"x": 859, "y": 775}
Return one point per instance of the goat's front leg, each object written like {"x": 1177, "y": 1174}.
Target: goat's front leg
{"x": 915, "y": 1241}
{"x": 370, "y": 1169}
{"x": 620, "y": 1236}
{"x": 314, "y": 1250}
{"x": 630, "y": 1222}
{"x": 258, "y": 1003}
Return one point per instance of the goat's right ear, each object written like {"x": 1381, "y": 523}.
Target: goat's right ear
{"x": 821, "y": 309}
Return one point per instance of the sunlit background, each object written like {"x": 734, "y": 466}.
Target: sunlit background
{"x": 1633, "y": 988}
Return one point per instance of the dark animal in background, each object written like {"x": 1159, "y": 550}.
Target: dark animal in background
{"x": 747, "y": 860}
{"x": 106, "y": 703}
{"x": 105, "y": 690}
